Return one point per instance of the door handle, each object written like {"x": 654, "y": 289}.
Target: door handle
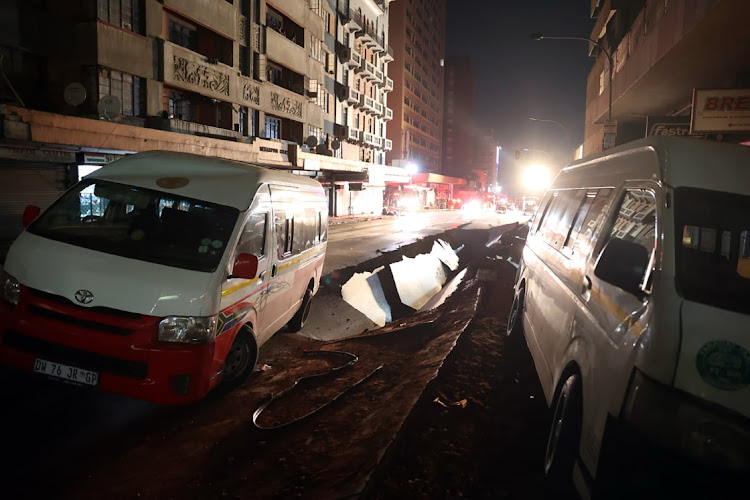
{"x": 273, "y": 270}
{"x": 586, "y": 284}
{"x": 262, "y": 275}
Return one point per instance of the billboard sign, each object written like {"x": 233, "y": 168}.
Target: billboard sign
{"x": 720, "y": 111}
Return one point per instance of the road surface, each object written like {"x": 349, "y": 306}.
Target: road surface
{"x": 352, "y": 243}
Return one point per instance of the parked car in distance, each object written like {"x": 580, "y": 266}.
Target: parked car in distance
{"x": 633, "y": 295}
{"x": 160, "y": 275}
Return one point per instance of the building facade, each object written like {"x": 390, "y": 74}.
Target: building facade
{"x": 458, "y": 117}
{"x": 661, "y": 52}
{"x": 417, "y": 30}
{"x": 264, "y": 81}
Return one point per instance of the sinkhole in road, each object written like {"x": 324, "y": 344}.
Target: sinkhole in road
{"x": 404, "y": 286}
{"x": 332, "y": 317}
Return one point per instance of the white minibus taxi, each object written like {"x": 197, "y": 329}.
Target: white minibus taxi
{"x": 634, "y": 298}
{"x": 159, "y": 276}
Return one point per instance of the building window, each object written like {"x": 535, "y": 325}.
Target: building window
{"x": 274, "y": 73}
{"x": 129, "y": 89}
{"x": 179, "y": 106}
{"x": 273, "y": 128}
{"x": 182, "y": 33}
{"x": 128, "y": 14}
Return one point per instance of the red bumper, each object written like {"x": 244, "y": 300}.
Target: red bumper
{"x": 121, "y": 347}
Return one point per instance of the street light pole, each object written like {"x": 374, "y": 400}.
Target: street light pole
{"x": 551, "y": 121}
{"x": 539, "y": 36}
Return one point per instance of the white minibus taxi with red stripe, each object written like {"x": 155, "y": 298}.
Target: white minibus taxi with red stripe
{"x": 160, "y": 275}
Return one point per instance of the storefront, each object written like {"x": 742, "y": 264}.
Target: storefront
{"x": 30, "y": 176}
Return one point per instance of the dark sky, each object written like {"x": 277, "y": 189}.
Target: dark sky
{"x": 516, "y": 77}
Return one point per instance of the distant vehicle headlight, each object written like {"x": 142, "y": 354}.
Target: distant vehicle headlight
{"x": 188, "y": 329}
{"x": 11, "y": 288}
{"x": 685, "y": 424}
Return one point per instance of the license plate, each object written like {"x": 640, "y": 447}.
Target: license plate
{"x": 65, "y": 372}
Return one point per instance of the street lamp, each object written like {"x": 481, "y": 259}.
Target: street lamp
{"x": 539, "y": 36}
{"x": 565, "y": 130}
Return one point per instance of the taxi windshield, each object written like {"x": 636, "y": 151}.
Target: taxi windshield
{"x": 138, "y": 223}
{"x": 712, "y": 243}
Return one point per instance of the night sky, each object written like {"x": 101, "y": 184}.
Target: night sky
{"x": 517, "y": 78}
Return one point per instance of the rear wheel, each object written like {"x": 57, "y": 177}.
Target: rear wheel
{"x": 564, "y": 433}
{"x": 300, "y": 317}
{"x": 240, "y": 361}
{"x": 515, "y": 319}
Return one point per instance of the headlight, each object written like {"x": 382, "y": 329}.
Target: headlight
{"x": 11, "y": 288}
{"x": 188, "y": 329}
{"x": 682, "y": 423}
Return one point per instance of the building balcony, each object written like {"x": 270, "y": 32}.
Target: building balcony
{"x": 367, "y": 69}
{"x": 349, "y": 57}
{"x": 388, "y": 84}
{"x": 387, "y": 54}
{"x": 367, "y": 104}
{"x": 369, "y": 138}
{"x": 387, "y": 144}
{"x": 388, "y": 114}
{"x": 353, "y": 134}
{"x": 378, "y": 108}
{"x": 378, "y": 76}
{"x": 191, "y": 71}
{"x": 349, "y": 19}
{"x": 191, "y": 128}
{"x": 351, "y": 96}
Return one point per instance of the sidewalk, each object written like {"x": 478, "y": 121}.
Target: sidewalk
{"x": 345, "y": 219}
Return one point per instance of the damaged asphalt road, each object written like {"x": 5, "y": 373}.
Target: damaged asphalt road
{"x": 364, "y": 443}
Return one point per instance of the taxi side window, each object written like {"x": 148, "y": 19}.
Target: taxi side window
{"x": 636, "y": 219}
{"x": 284, "y": 233}
{"x": 559, "y": 218}
{"x": 253, "y": 238}
{"x": 587, "y": 220}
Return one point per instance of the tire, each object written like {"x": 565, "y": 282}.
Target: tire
{"x": 515, "y": 318}
{"x": 300, "y": 317}
{"x": 564, "y": 434}
{"x": 240, "y": 361}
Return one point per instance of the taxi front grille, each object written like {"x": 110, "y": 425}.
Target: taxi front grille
{"x": 75, "y": 357}
{"x": 72, "y": 320}
{"x": 96, "y": 309}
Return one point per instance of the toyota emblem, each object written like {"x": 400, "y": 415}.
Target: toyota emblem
{"x": 84, "y": 296}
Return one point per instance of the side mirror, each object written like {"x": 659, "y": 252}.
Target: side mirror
{"x": 30, "y": 213}
{"x": 623, "y": 264}
{"x": 245, "y": 266}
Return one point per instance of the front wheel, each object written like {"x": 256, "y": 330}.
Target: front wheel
{"x": 564, "y": 433}
{"x": 300, "y": 317}
{"x": 240, "y": 361}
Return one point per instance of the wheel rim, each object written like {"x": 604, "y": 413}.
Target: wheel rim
{"x": 237, "y": 360}
{"x": 557, "y": 425}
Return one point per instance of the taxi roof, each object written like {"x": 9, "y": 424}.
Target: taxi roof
{"x": 679, "y": 162}
{"x": 217, "y": 180}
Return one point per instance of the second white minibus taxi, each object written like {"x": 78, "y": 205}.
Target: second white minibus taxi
{"x": 634, "y": 297}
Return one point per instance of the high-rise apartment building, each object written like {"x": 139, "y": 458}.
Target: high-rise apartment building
{"x": 294, "y": 84}
{"x": 417, "y": 35}
{"x": 458, "y": 117}
{"x": 661, "y": 52}
{"x": 361, "y": 80}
